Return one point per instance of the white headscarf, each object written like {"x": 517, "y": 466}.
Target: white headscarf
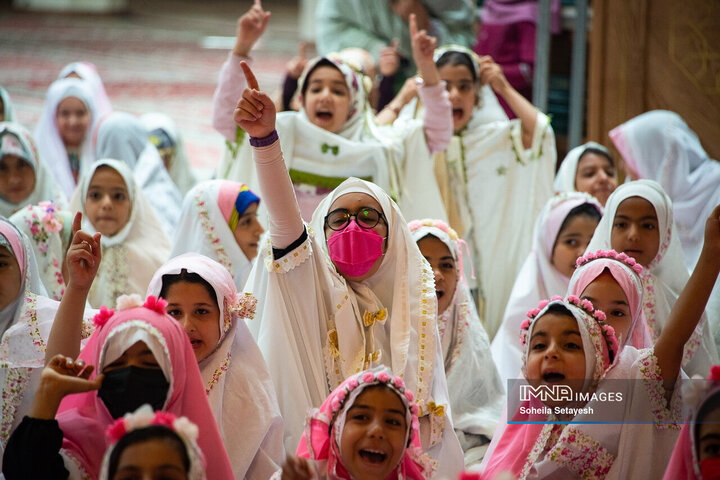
{"x": 659, "y": 146}
{"x": 203, "y": 229}
{"x": 179, "y": 168}
{"x": 131, "y": 256}
{"x": 665, "y": 276}
{"x": 122, "y": 137}
{"x": 45, "y": 188}
{"x": 51, "y": 146}
{"x": 7, "y": 105}
{"x": 239, "y": 388}
{"x": 87, "y": 71}
{"x": 477, "y": 404}
{"x": 538, "y": 279}
{"x": 565, "y": 177}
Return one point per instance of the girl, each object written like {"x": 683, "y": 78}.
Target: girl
{"x": 86, "y": 71}
{"x": 149, "y": 444}
{"x": 62, "y": 134}
{"x": 562, "y": 232}
{"x": 349, "y": 292}
{"x": 588, "y": 168}
{"x": 49, "y": 230}
{"x": 332, "y": 137}
{"x": 219, "y": 220}
{"x": 133, "y": 244}
{"x": 122, "y": 137}
{"x": 639, "y": 222}
{"x": 166, "y": 138}
{"x": 202, "y": 297}
{"x": 492, "y": 161}
{"x": 24, "y": 180}
{"x": 144, "y": 357}
{"x": 476, "y": 405}
{"x": 367, "y": 428}
{"x": 7, "y": 109}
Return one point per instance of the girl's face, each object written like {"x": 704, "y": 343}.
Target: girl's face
{"x": 354, "y": 202}
{"x": 138, "y": 355}
{"x": 327, "y": 98}
{"x": 153, "y": 459}
{"x": 17, "y": 178}
{"x": 73, "y": 120}
{"x": 635, "y": 230}
{"x": 606, "y": 294}
{"x": 10, "y": 278}
{"x": 191, "y": 304}
{"x": 595, "y": 175}
{"x": 709, "y": 436}
{"x": 247, "y": 232}
{"x": 373, "y": 438}
{"x": 107, "y": 203}
{"x": 463, "y": 96}
{"x": 556, "y": 355}
{"x": 571, "y": 243}
{"x": 444, "y": 269}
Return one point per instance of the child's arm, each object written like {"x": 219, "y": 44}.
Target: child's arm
{"x": 297, "y": 468}
{"x": 491, "y": 73}
{"x": 255, "y": 113}
{"x": 689, "y": 307}
{"x": 250, "y": 27}
{"x": 82, "y": 261}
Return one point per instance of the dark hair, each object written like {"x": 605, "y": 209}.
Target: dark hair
{"x": 597, "y": 151}
{"x": 586, "y": 209}
{"x": 323, "y": 62}
{"x": 710, "y": 405}
{"x": 454, "y": 58}
{"x": 146, "y": 434}
{"x": 169, "y": 280}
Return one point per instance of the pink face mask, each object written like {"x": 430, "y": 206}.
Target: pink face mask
{"x": 354, "y": 250}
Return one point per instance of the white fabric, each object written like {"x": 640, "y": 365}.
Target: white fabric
{"x": 49, "y": 246}
{"x": 8, "y": 106}
{"x": 50, "y": 146}
{"x": 202, "y": 229}
{"x": 130, "y": 257}
{"x": 89, "y": 73}
{"x": 538, "y": 280}
{"x": 180, "y": 170}
{"x": 565, "y": 178}
{"x": 122, "y": 137}
{"x": 665, "y": 276}
{"x": 310, "y": 325}
{"x": 476, "y": 392}
{"x": 46, "y": 189}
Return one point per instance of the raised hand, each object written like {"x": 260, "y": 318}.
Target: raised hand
{"x": 255, "y": 111}
{"x": 297, "y": 468}
{"x": 297, "y": 64}
{"x": 423, "y": 48}
{"x": 250, "y": 27}
{"x": 389, "y": 60}
{"x": 491, "y": 74}
{"x": 83, "y": 256}
{"x": 712, "y": 237}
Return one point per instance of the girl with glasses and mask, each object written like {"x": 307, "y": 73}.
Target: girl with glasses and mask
{"x": 347, "y": 292}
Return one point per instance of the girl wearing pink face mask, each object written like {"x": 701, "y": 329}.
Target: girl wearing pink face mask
{"x": 347, "y": 292}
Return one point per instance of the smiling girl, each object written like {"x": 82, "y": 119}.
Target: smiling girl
{"x": 588, "y": 168}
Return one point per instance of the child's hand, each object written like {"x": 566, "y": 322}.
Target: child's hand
{"x": 297, "y": 64}
{"x": 61, "y": 377}
{"x": 711, "y": 247}
{"x": 255, "y": 112}
{"x": 297, "y": 468}
{"x": 389, "y": 60}
{"x": 423, "y": 48}
{"x": 250, "y": 28}
{"x": 83, "y": 256}
{"x": 491, "y": 74}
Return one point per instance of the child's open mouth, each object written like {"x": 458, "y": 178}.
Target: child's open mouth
{"x": 553, "y": 377}
{"x": 324, "y": 115}
{"x": 439, "y": 293}
{"x": 372, "y": 456}
{"x": 457, "y": 113}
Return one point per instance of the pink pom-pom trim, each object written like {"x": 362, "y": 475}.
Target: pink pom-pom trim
{"x": 612, "y": 255}
{"x": 155, "y": 304}
{"x": 103, "y": 316}
{"x": 714, "y": 372}
{"x": 409, "y": 396}
{"x": 368, "y": 377}
{"x": 399, "y": 383}
{"x": 353, "y": 383}
{"x": 117, "y": 430}
{"x": 383, "y": 377}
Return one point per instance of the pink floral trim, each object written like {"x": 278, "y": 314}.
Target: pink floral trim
{"x": 540, "y": 443}
{"x": 12, "y": 394}
{"x": 581, "y": 454}
{"x": 613, "y": 255}
{"x": 652, "y": 379}
{"x": 209, "y": 229}
{"x": 31, "y": 319}
{"x": 219, "y": 372}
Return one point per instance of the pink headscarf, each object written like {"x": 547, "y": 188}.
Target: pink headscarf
{"x": 8, "y": 231}
{"x": 627, "y": 275}
{"x": 324, "y": 427}
{"x": 84, "y": 418}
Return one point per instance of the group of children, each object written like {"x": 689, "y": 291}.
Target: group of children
{"x": 142, "y": 338}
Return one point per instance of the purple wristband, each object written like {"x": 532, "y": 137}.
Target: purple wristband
{"x": 265, "y": 141}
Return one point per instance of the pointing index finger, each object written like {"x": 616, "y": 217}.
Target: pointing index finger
{"x": 413, "y": 25}
{"x": 77, "y": 223}
{"x": 250, "y": 76}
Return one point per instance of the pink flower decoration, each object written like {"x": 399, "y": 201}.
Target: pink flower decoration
{"x": 525, "y": 324}
{"x": 162, "y": 418}
{"x": 622, "y": 256}
{"x": 574, "y": 299}
{"x": 590, "y": 256}
{"x": 103, "y": 316}
{"x": 556, "y": 297}
{"x": 383, "y": 377}
{"x": 42, "y": 247}
{"x": 353, "y": 383}
{"x": 156, "y": 304}
{"x": 368, "y": 377}
{"x": 35, "y": 229}
{"x": 600, "y": 315}
{"x": 587, "y": 305}
{"x": 714, "y": 372}
{"x": 542, "y": 304}
{"x": 410, "y": 397}
{"x": 399, "y": 383}
{"x": 335, "y": 404}
{"x": 637, "y": 268}
{"x": 341, "y": 395}
{"x": 117, "y": 430}
{"x": 532, "y": 313}
{"x": 414, "y": 409}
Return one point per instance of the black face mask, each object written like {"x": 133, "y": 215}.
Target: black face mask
{"x": 126, "y": 389}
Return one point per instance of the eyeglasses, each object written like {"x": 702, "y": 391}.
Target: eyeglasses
{"x": 366, "y": 217}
